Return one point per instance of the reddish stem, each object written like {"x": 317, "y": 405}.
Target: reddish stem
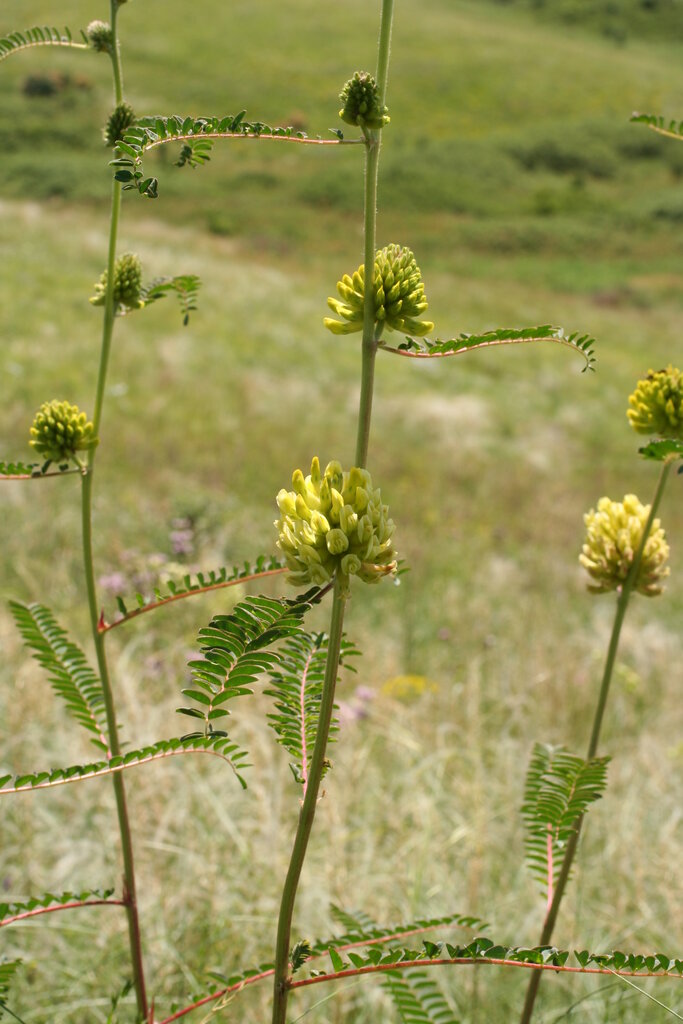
{"x": 104, "y": 627}
{"x": 269, "y": 973}
{"x": 37, "y": 476}
{"x": 487, "y": 962}
{"x": 551, "y": 881}
{"x": 371, "y": 969}
{"x": 28, "y": 788}
{"x": 425, "y": 354}
{"x": 263, "y": 138}
{"x": 302, "y": 704}
{"x": 218, "y": 995}
{"x": 61, "y": 906}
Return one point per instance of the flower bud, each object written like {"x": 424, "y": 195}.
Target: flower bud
{"x": 121, "y": 118}
{"x": 614, "y": 534}
{"x": 127, "y": 284}
{"x": 656, "y": 406}
{"x": 100, "y": 36}
{"x": 314, "y": 546}
{"x": 360, "y": 102}
{"x": 398, "y": 291}
{"x": 60, "y": 430}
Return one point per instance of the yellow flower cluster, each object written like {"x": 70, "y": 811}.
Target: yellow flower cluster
{"x": 399, "y": 296}
{"x": 656, "y": 406}
{"x": 360, "y": 102}
{"x": 614, "y": 534}
{"x": 334, "y": 522}
{"x": 127, "y": 284}
{"x": 60, "y": 430}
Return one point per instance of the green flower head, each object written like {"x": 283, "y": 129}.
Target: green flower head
{"x": 334, "y": 522}
{"x": 614, "y": 534}
{"x": 360, "y": 102}
{"x": 656, "y": 406}
{"x": 127, "y": 284}
{"x": 60, "y": 430}
{"x": 100, "y": 36}
{"x": 399, "y": 296}
{"x": 121, "y": 118}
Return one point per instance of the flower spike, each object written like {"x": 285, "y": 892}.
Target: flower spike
{"x": 127, "y": 284}
{"x": 60, "y": 430}
{"x": 360, "y": 103}
{"x": 399, "y": 296}
{"x": 656, "y": 406}
{"x": 334, "y": 522}
{"x": 100, "y": 36}
{"x": 614, "y": 534}
{"x": 120, "y": 119}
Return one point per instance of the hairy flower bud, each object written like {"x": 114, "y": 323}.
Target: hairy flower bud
{"x": 334, "y": 521}
{"x": 60, "y": 430}
{"x": 100, "y": 36}
{"x": 614, "y": 534}
{"x": 656, "y": 406}
{"x": 399, "y": 296}
{"x": 121, "y": 118}
{"x": 360, "y": 102}
{"x": 127, "y": 283}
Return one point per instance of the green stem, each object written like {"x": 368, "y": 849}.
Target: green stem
{"x": 369, "y": 351}
{"x": 115, "y": 750}
{"x": 130, "y": 897}
{"x": 115, "y": 55}
{"x": 369, "y": 343}
{"x": 109, "y": 314}
{"x": 384, "y": 49}
{"x": 308, "y": 807}
{"x": 573, "y": 842}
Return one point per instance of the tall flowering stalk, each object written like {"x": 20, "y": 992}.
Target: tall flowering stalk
{"x": 625, "y": 551}
{"x": 363, "y": 104}
{"x": 114, "y": 290}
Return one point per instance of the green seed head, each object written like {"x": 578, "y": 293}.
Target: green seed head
{"x": 100, "y": 36}
{"x": 334, "y": 522}
{"x": 399, "y": 296}
{"x": 60, "y": 430}
{"x": 121, "y": 118}
{"x": 656, "y": 406}
{"x": 360, "y": 102}
{"x": 127, "y": 284}
{"x": 614, "y": 534}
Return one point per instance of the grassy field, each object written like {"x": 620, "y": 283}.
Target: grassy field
{"x": 512, "y": 171}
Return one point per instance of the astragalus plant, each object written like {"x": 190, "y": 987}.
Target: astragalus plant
{"x": 334, "y": 533}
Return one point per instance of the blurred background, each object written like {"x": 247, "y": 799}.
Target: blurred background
{"x": 511, "y": 169}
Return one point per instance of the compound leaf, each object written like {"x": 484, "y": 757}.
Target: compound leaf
{"x": 559, "y": 789}
{"x": 425, "y": 348}
{"x": 297, "y": 686}
{"x": 71, "y": 676}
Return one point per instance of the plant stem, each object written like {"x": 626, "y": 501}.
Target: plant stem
{"x": 109, "y": 314}
{"x": 307, "y": 812}
{"x": 115, "y": 55}
{"x": 340, "y": 596}
{"x": 573, "y": 841}
{"x": 369, "y": 343}
{"x": 129, "y": 894}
